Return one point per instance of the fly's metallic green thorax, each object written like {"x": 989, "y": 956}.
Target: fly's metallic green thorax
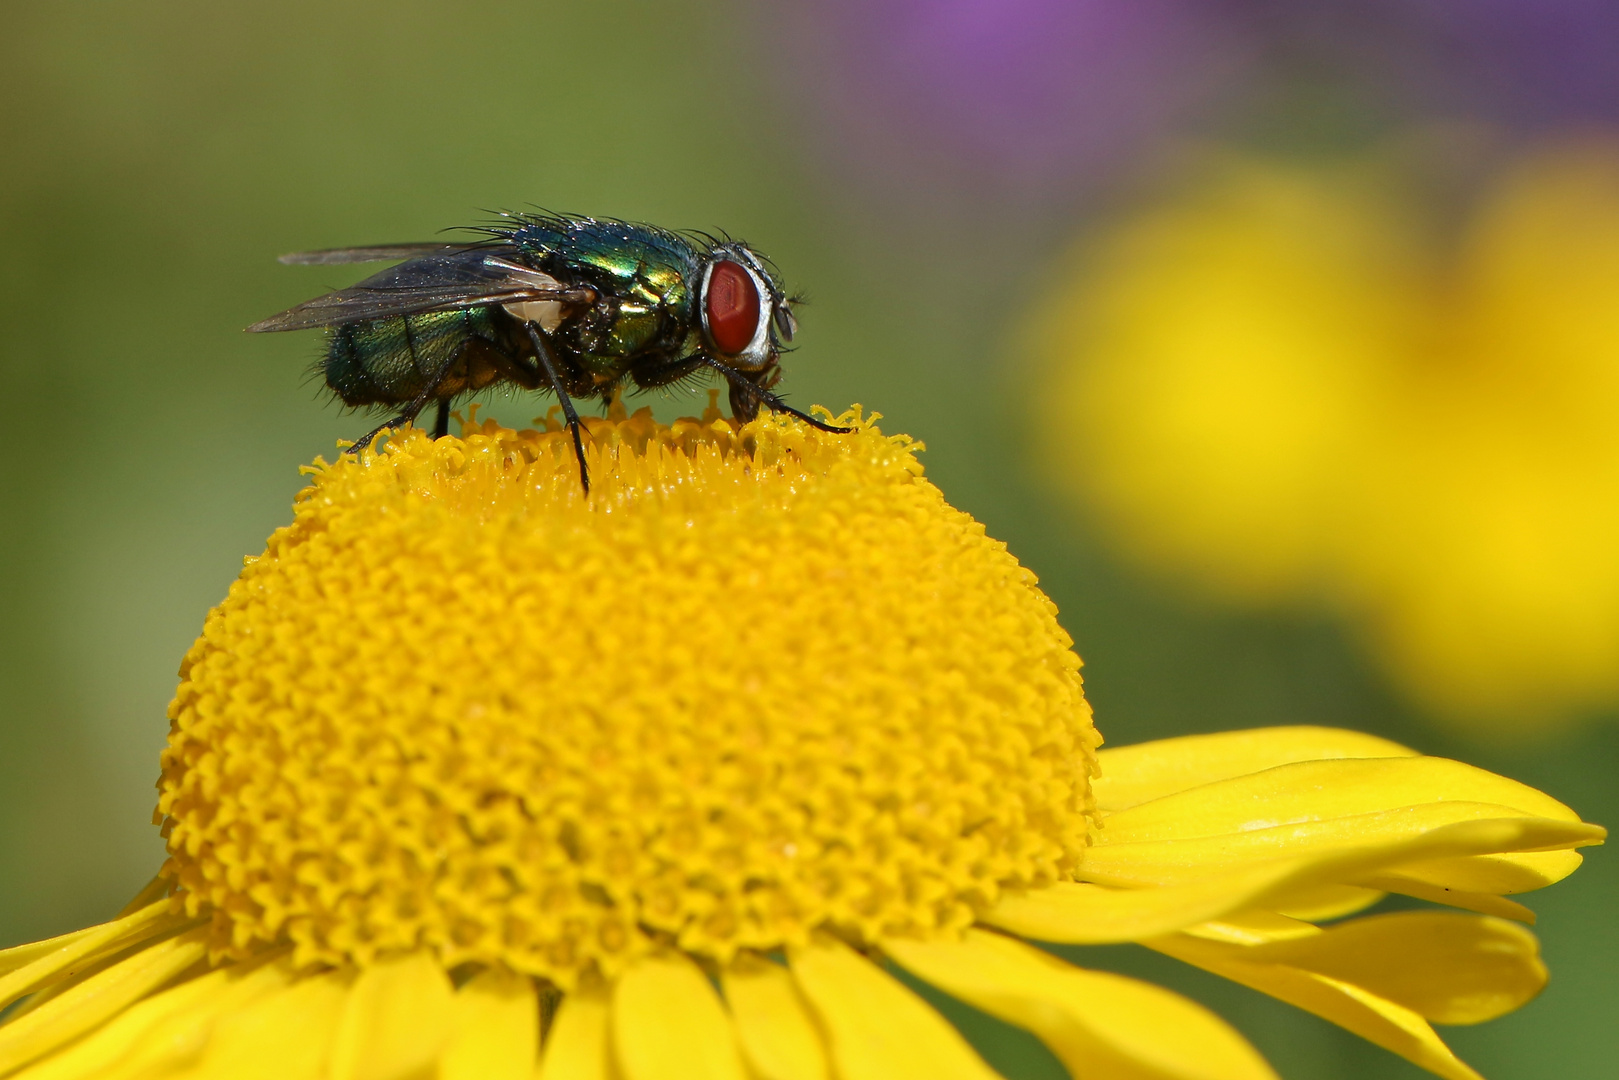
{"x": 574, "y": 305}
{"x": 644, "y": 274}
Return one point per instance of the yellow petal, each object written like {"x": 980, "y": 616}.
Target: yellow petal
{"x": 1450, "y": 968}
{"x": 1328, "y": 902}
{"x": 877, "y": 1029}
{"x": 1318, "y": 805}
{"x": 26, "y": 968}
{"x": 1101, "y": 1026}
{"x": 669, "y": 1024}
{"x": 22, "y": 955}
{"x": 1254, "y": 928}
{"x": 1150, "y": 770}
{"x": 1497, "y": 873}
{"x": 496, "y": 1029}
{"x": 576, "y": 1046}
{"x": 1316, "y": 791}
{"x": 97, "y": 999}
{"x": 1374, "y": 1019}
{"x": 285, "y": 1035}
{"x": 773, "y": 1024}
{"x": 1087, "y": 914}
{"x": 1465, "y": 829}
{"x": 1483, "y": 903}
{"x": 154, "y": 890}
{"x": 163, "y": 1033}
{"x": 1074, "y": 913}
{"x": 396, "y": 1020}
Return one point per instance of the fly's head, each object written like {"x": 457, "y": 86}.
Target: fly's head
{"x": 746, "y": 316}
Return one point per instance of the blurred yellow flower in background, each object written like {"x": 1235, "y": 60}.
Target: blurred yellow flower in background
{"x": 474, "y": 777}
{"x": 1303, "y": 383}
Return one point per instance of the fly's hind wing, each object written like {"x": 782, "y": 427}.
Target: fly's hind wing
{"x": 443, "y": 281}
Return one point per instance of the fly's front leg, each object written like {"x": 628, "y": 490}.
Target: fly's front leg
{"x": 758, "y": 395}
{"x": 744, "y": 393}
{"x": 543, "y": 352}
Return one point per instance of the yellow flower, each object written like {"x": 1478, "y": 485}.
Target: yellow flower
{"x": 472, "y": 774}
{"x": 1295, "y": 384}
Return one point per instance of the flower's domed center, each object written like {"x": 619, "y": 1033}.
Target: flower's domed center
{"x": 757, "y": 682}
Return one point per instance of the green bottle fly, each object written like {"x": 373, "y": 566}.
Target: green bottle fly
{"x": 576, "y": 305}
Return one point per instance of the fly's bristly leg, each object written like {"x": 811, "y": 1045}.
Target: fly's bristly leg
{"x": 441, "y": 421}
{"x": 542, "y": 351}
{"x": 769, "y": 398}
{"x": 414, "y": 409}
{"x": 365, "y": 440}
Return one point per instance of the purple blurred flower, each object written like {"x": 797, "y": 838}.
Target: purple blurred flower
{"x": 1528, "y": 64}
{"x": 1024, "y": 96}
{"x": 1530, "y": 61}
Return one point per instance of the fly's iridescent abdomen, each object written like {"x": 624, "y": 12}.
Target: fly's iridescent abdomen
{"x": 388, "y": 361}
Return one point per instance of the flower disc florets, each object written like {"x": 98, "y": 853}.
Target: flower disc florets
{"x": 759, "y": 682}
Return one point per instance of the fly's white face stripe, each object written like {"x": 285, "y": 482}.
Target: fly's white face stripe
{"x": 758, "y": 350}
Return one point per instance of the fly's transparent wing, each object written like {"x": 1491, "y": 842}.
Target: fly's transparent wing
{"x": 375, "y": 253}
{"x": 459, "y": 278}
{"x": 357, "y": 305}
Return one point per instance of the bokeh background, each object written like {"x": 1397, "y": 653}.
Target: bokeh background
{"x": 1280, "y": 339}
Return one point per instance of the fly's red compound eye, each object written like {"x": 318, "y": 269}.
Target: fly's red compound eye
{"x": 733, "y": 307}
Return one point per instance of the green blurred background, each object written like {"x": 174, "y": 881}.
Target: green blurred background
{"x": 157, "y": 156}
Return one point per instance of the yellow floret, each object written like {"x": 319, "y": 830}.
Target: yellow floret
{"x": 760, "y": 681}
